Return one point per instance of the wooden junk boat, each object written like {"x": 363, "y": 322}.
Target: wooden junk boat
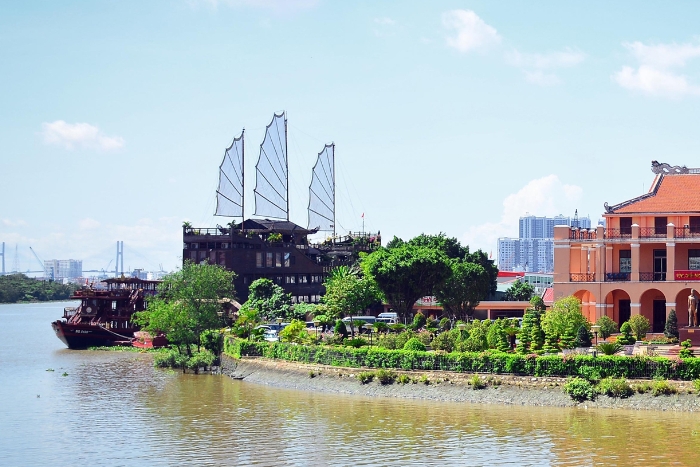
{"x": 104, "y": 316}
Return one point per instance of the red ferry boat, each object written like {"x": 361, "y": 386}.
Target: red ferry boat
{"x": 103, "y": 317}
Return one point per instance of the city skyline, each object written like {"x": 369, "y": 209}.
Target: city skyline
{"x": 115, "y": 116}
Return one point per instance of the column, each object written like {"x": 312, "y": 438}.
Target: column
{"x": 634, "y": 277}
{"x": 670, "y": 254}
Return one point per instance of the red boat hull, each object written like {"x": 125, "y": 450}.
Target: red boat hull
{"x": 82, "y": 336}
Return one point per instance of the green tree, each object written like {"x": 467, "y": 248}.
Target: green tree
{"x": 187, "y": 304}
{"x": 348, "y": 292}
{"x": 525, "y": 334}
{"x": 565, "y": 316}
{"x": 519, "y": 292}
{"x": 302, "y": 311}
{"x": 671, "y": 328}
{"x": 537, "y": 303}
{"x": 607, "y": 326}
{"x": 269, "y": 300}
{"x": 406, "y": 273}
{"x": 461, "y": 292}
{"x": 626, "y": 337}
{"x": 640, "y": 326}
{"x": 537, "y": 335}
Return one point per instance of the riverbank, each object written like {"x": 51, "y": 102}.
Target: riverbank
{"x": 444, "y": 386}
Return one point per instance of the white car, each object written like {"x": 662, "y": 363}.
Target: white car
{"x": 270, "y": 335}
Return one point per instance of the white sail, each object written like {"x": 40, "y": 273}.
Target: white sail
{"x": 322, "y": 191}
{"x": 229, "y": 194}
{"x": 271, "y": 172}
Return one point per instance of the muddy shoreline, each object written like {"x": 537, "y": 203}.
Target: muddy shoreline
{"x": 444, "y": 386}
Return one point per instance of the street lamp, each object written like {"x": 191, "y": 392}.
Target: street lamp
{"x": 369, "y": 328}
{"x": 596, "y": 329}
{"x": 317, "y": 323}
{"x": 461, "y": 327}
{"x": 279, "y": 324}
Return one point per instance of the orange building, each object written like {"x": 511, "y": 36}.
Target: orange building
{"x": 645, "y": 261}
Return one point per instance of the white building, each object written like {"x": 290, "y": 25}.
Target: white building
{"x": 60, "y": 269}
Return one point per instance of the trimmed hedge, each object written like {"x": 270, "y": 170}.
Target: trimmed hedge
{"x": 471, "y": 362}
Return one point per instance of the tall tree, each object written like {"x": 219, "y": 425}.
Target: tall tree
{"x": 188, "y": 303}
{"x": 269, "y": 299}
{"x": 520, "y": 292}
{"x": 564, "y": 318}
{"x": 462, "y": 291}
{"x": 406, "y": 273}
{"x": 348, "y": 291}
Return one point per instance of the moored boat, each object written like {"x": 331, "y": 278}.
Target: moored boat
{"x": 104, "y": 316}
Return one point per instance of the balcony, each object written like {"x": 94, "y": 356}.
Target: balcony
{"x": 582, "y": 277}
{"x": 652, "y": 276}
{"x": 618, "y": 233}
{"x": 687, "y": 232}
{"x": 583, "y": 234}
{"x": 652, "y": 232}
{"x": 617, "y": 277}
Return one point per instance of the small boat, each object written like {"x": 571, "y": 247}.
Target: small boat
{"x": 104, "y": 316}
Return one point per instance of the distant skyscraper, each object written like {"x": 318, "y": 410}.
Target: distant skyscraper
{"x": 59, "y": 269}
{"x": 533, "y": 250}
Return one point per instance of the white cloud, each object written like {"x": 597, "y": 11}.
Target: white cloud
{"x": 546, "y": 196}
{"x": 472, "y": 33}
{"x": 71, "y": 135}
{"x": 384, "y": 27}
{"x": 385, "y": 21}
{"x": 534, "y": 65}
{"x": 656, "y": 74}
{"x": 88, "y": 224}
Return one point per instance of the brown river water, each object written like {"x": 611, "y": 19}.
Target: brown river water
{"x": 114, "y": 408}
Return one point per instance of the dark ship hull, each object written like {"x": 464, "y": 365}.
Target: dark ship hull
{"x": 82, "y": 336}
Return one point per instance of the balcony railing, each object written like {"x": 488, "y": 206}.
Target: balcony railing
{"x": 651, "y": 232}
{"x": 617, "y": 277}
{"x": 618, "y": 233}
{"x": 582, "y": 277}
{"x": 652, "y": 276}
{"x": 575, "y": 234}
{"x": 687, "y": 232}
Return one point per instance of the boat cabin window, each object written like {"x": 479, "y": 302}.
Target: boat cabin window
{"x": 114, "y": 304}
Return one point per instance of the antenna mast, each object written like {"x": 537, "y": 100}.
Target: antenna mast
{"x": 286, "y": 161}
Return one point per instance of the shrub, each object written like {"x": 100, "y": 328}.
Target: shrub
{"x": 685, "y": 352}
{"x": 213, "y": 340}
{"x": 640, "y": 326}
{"x": 386, "y": 376}
{"x": 671, "y": 328}
{"x": 626, "y": 338}
{"x": 609, "y": 348}
{"x": 398, "y": 327}
{"x": 476, "y": 382}
{"x": 589, "y": 373}
{"x": 388, "y": 341}
{"x": 418, "y": 321}
{"x": 356, "y": 342}
{"x": 403, "y": 379}
{"x": 579, "y": 389}
{"x": 365, "y": 377}
{"x": 424, "y": 379}
{"x": 642, "y": 387}
{"x": 583, "y": 337}
{"x": 445, "y": 324}
{"x": 662, "y": 387}
{"x": 380, "y": 327}
{"x": 607, "y": 326}
{"x": 444, "y": 341}
{"x": 425, "y": 337}
{"x": 294, "y": 332}
{"x": 340, "y": 329}
{"x": 696, "y": 385}
{"x": 415, "y": 345}
{"x": 615, "y": 387}
{"x": 404, "y": 337}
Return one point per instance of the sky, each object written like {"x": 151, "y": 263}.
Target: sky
{"x": 448, "y": 116}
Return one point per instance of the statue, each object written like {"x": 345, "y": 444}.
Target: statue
{"x": 692, "y": 309}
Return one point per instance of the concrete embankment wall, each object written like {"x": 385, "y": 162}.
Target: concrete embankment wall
{"x": 443, "y": 386}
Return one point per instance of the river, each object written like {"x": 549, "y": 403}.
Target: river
{"x": 114, "y": 408}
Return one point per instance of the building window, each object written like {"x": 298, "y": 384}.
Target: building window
{"x": 316, "y": 279}
{"x": 290, "y": 279}
{"x": 222, "y": 258}
{"x": 626, "y": 226}
{"x": 194, "y": 246}
{"x": 193, "y": 256}
{"x": 303, "y": 279}
{"x": 268, "y": 259}
{"x": 660, "y": 225}
{"x": 694, "y": 260}
{"x": 294, "y": 299}
{"x": 286, "y": 259}
{"x": 278, "y": 280}
{"x": 278, "y": 260}
{"x": 694, "y": 224}
{"x": 625, "y": 260}
{"x": 225, "y": 246}
{"x": 258, "y": 260}
{"x": 315, "y": 298}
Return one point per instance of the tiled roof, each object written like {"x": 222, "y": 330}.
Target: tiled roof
{"x": 548, "y": 296}
{"x": 672, "y": 193}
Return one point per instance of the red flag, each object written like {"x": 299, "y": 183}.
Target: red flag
{"x": 363, "y": 215}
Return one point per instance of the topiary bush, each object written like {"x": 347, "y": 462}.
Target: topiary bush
{"x": 671, "y": 328}
{"x": 583, "y": 337}
{"x": 414, "y": 345}
{"x": 418, "y": 321}
{"x": 685, "y": 351}
{"x": 580, "y": 389}
{"x": 340, "y": 329}
{"x": 626, "y": 338}
{"x": 640, "y": 326}
{"x": 607, "y": 326}
{"x": 445, "y": 324}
